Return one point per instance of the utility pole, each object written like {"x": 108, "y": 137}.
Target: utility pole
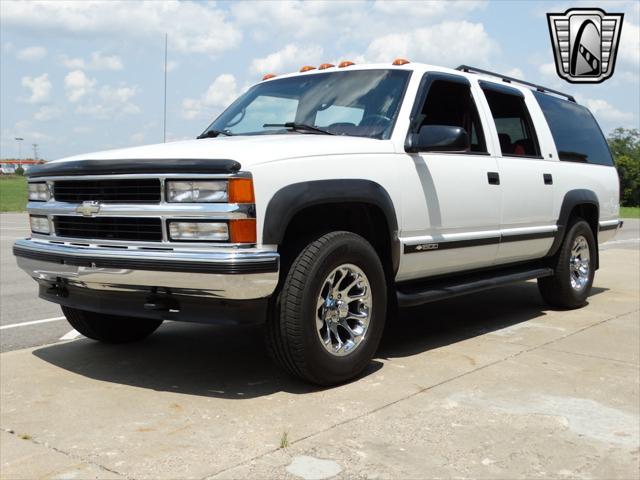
{"x": 164, "y": 123}
{"x": 19, "y": 140}
{"x": 35, "y": 151}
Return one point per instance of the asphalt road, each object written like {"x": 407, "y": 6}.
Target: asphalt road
{"x": 19, "y": 304}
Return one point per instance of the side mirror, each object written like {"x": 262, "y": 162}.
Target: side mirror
{"x": 437, "y": 138}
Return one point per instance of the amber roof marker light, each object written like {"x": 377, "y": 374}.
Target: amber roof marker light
{"x": 306, "y": 68}
{"x": 400, "y": 61}
{"x": 324, "y": 66}
{"x": 267, "y": 76}
{"x": 346, "y": 63}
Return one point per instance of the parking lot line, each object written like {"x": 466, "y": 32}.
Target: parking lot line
{"x": 34, "y": 322}
{"x": 72, "y": 335}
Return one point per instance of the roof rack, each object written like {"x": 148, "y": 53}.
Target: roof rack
{"x": 504, "y": 78}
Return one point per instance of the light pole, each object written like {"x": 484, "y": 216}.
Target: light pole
{"x": 19, "y": 139}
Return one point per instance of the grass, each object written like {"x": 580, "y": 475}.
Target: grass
{"x": 629, "y": 212}
{"x": 284, "y": 440}
{"x": 13, "y": 193}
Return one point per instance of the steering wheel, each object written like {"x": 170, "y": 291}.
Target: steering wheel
{"x": 375, "y": 119}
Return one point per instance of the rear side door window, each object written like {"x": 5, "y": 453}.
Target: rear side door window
{"x": 516, "y": 133}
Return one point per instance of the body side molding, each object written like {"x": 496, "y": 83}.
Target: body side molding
{"x": 290, "y": 200}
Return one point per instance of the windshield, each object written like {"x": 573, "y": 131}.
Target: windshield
{"x": 361, "y": 103}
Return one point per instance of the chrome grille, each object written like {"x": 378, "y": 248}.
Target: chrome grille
{"x": 109, "y": 228}
{"x": 140, "y": 190}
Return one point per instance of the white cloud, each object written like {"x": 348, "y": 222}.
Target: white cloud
{"x": 629, "y": 50}
{"x": 515, "y": 73}
{"x": 222, "y": 91}
{"x": 288, "y": 59}
{"x": 31, "y": 54}
{"x": 172, "y": 65}
{"x": 47, "y": 112}
{"x": 98, "y": 61}
{"x": 193, "y": 27}
{"x": 78, "y": 85}
{"x": 109, "y": 102}
{"x": 425, "y": 10}
{"x": 137, "y": 138}
{"x": 605, "y": 112}
{"x": 548, "y": 70}
{"x": 448, "y": 43}
{"x": 40, "y": 88}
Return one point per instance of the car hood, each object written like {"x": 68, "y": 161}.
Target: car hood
{"x": 248, "y": 150}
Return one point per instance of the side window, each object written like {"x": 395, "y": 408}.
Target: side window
{"x": 451, "y": 103}
{"x": 576, "y": 134}
{"x": 515, "y": 130}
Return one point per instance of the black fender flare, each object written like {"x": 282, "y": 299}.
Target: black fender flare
{"x": 571, "y": 200}
{"x": 290, "y": 200}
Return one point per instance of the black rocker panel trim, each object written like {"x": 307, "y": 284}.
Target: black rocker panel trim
{"x": 290, "y": 200}
{"x": 436, "y": 246}
{"x": 237, "y": 268}
{"x": 132, "y": 166}
{"x": 609, "y": 227}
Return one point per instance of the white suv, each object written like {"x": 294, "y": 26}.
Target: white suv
{"x": 321, "y": 200}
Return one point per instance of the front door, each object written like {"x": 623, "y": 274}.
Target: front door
{"x": 452, "y": 206}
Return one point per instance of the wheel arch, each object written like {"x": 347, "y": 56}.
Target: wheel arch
{"x": 290, "y": 201}
{"x": 577, "y": 203}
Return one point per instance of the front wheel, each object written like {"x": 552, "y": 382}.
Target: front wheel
{"x": 327, "y": 321}
{"x": 110, "y": 328}
{"x": 571, "y": 284}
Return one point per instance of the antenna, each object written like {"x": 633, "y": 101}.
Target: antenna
{"x": 164, "y": 123}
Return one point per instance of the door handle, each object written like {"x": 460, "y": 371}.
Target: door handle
{"x": 494, "y": 178}
{"x": 548, "y": 178}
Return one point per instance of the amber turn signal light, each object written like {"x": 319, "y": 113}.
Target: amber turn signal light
{"x": 400, "y": 61}
{"x": 324, "y": 66}
{"x": 267, "y": 76}
{"x": 346, "y": 63}
{"x": 306, "y": 68}
{"x": 242, "y": 230}
{"x": 241, "y": 190}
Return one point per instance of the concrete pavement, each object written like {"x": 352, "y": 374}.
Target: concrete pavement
{"x": 493, "y": 385}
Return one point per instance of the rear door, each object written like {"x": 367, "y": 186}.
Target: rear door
{"x": 527, "y": 226}
{"x": 451, "y": 217}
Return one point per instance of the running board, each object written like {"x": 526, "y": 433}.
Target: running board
{"x": 412, "y": 296}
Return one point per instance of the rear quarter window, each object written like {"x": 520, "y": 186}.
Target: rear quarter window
{"x": 576, "y": 133}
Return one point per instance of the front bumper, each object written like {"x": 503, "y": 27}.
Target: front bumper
{"x": 230, "y": 274}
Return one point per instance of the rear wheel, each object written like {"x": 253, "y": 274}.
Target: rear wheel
{"x": 574, "y": 269}
{"x": 110, "y": 328}
{"x": 327, "y": 321}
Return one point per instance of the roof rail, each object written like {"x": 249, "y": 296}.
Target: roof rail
{"x": 504, "y": 78}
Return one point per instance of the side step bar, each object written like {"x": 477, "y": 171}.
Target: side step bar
{"x": 448, "y": 288}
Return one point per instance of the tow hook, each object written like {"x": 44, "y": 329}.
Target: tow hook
{"x": 161, "y": 303}
{"x": 58, "y": 289}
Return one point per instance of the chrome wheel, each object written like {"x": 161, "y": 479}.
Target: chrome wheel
{"x": 343, "y": 310}
{"x": 579, "y": 263}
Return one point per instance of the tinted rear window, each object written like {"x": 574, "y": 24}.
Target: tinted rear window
{"x": 577, "y": 136}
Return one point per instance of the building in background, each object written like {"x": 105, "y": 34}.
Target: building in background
{"x": 9, "y": 166}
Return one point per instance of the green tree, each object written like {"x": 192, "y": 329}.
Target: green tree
{"x": 625, "y": 147}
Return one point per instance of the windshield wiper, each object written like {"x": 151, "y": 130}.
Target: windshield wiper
{"x": 214, "y": 133}
{"x": 298, "y": 126}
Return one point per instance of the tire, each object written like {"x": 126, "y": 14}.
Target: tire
{"x": 296, "y": 332}
{"x": 568, "y": 288}
{"x": 110, "y": 328}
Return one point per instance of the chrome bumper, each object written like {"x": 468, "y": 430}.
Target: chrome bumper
{"x": 226, "y": 274}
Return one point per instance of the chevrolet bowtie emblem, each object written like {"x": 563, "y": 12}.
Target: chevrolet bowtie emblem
{"x": 88, "y": 209}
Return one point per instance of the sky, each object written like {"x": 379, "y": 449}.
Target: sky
{"x": 78, "y": 77}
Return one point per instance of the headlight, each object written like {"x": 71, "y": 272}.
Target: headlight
{"x": 39, "y": 192}
{"x": 39, "y": 224}
{"x": 197, "y": 191}
{"x": 199, "y": 231}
